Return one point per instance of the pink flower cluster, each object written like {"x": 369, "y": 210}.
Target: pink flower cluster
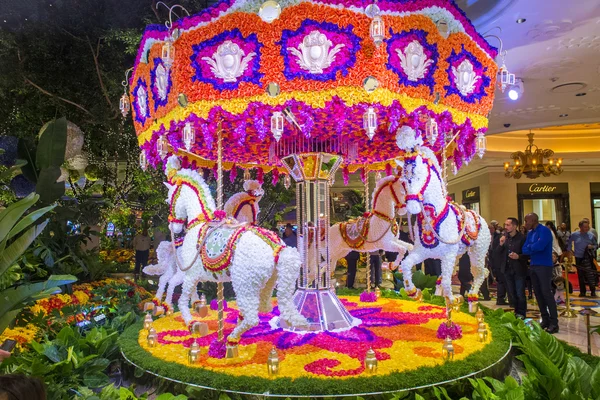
{"x": 453, "y": 331}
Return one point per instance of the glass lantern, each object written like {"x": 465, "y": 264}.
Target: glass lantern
{"x": 189, "y": 135}
{"x": 431, "y": 129}
{"x": 143, "y": 161}
{"x": 161, "y": 147}
{"x": 370, "y": 122}
{"x": 377, "y": 30}
{"x": 480, "y": 144}
{"x": 277, "y": 125}
{"x": 168, "y": 53}
{"x": 506, "y": 78}
{"x": 124, "y": 105}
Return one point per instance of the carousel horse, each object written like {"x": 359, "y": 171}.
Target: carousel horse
{"x": 170, "y": 275}
{"x": 377, "y": 229}
{"x": 243, "y": 206}
{"x": 254, "y": 260}
{"x": 443, "y": 230}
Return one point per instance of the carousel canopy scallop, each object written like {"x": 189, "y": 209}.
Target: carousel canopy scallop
{"x": 338, "y": 76}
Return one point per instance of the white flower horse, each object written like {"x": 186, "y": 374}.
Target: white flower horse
{"x": 444, "y": 230}
{"x": 253, "y": 259}
{"x": 243, "y": 206}
{"x": 377, "y": 230}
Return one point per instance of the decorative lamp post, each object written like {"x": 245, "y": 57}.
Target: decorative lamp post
{"x": 370, "y": 122}
{"x": 448, "y": 349}
{"x": 277, "y": 125}
{"x": 189, "y": 135}
{"x": 273, "y": 362}
{"x": 480, "y": 144}
{"x": 479, "y": 316}
{"x": 161, "y": 147}
{"x": 371, "y": 362}
{"x": 152, "y": 338}
{"x": 482, "y": 332}
{"x": 194, "y": 353}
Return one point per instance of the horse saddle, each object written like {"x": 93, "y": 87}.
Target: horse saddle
{"x": 355, "y": 231}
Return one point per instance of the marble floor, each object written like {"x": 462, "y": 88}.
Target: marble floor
{"x": 572, "y": 330}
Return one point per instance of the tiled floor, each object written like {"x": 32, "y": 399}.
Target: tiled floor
{"x": 572, "y": 330}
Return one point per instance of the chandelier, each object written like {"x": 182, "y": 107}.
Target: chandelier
{"x": 531, "y": 162}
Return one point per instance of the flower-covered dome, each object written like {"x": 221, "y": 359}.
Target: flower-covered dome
{"x": 328, "y": 66}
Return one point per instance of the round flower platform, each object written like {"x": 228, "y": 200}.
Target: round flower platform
{"x": 401, "y": 332}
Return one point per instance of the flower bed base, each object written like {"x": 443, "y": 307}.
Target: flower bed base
{"x": 401, "y": 332}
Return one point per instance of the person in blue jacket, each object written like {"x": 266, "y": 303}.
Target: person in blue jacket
{"x": 538, "y": 246}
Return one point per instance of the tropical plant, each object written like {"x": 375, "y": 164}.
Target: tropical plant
{"x": 420, "y": 279}
{"x": 16, "y": 235}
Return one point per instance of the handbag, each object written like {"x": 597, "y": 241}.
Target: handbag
{"x": 591, "y": 254}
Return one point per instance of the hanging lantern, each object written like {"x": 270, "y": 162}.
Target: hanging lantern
{"x": 454, "y": 168}
{"x": 370, "y": 122}
{"x": 152, "y": 338}
{"x": 189, "y": 135}
{"x": 431, "y": 130}
{"x": 371, "y": 362}
{"x": 506, "y": 78}
{"x": 287, "y": 181}
{"x": 277, "y": 125}
{"x": 194, "y": 353}
{"x": 161, "y": 147}
{"x": 480, "y": 144}
{"x": 273, "y": 363}
{"x": 168, "y": 53}
{"x": 143, "y": 161}
{"x": 124, "y": 105}
{"x": 377, "y": 30}
{"x": 448, "y": 349}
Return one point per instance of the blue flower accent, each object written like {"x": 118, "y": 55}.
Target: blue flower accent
{"x": 139, "y": 116}
{"x": 9, "y": 145}
{"x": 291, "y": 72}
{"x": 233, "y": 35}
{"x": 158, "y": 102}
{"x": 453, "y": 61}
{"x": 421, "y": 37}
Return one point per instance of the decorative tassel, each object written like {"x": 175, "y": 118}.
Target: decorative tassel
{"x": 233, "y": 173}
{"x": 389, "y": 170}
{"x": 215, "y": 172}
{"x": 275, "y": 175}
{"x": 260, "y": 176}
{"x": 346, "y": 176}
{"x": 363, "y": 175}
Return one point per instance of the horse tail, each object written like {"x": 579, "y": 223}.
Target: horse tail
{"x": 288, "y": 270}
{"x": 165, "y": 260}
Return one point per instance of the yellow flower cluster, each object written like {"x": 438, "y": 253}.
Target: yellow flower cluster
{"x": 22, "y": 335}
{"x": 82, "y": 297}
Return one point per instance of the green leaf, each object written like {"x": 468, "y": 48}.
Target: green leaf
{"x": 52, "y": 144}
{"x": 29, "y": 171}
{"x": 125, "y": 394}
{"x": 47, "y": 187}
{"x": 28, "y": 220}
{"x": 95, "y": 379}
{"x": 18, "y": 246}
{"x": 595, "y": 382}
{"x": 12, "y": 214}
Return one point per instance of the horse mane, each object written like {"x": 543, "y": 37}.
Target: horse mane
{"x": 194, "y": 179}
{"x": 380, "y": 183}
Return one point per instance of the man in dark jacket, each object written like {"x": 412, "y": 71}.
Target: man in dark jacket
{"x": 538, "y": 246}
{"x": 513, "y": 264}
{"x": 495, "y": 263}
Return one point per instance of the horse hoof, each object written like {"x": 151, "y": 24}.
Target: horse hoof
{"x": 199, "y": 328}
{"x": 201, "y": 310}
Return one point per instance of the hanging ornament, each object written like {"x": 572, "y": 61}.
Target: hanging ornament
{"x": 287, "y": 181}
{"x": 277, "y": 125}
{"x": 363, "y": 175}
{"x": 378, "y": 176}
{"x": 161, "y": 147}
{"x": 454, "y": 168}
{"x": 189, "y": 135}
{"x": 124, "y": 105}
{"x": 377, "y": 30}
{"x": 346, "y": 176}
{"x": 143, "y": 161}
{"x": 233, "y": 174}
{"x": 431, "y": 131}
{"x": 506, "y": 78}
{"x": 389, "y": 170}
{"x": 168, "y": 53}
{"x": 246, "y": 174}
{"x": 260, "y": 176}
{"x": 275, "y": 176}
{"x": 480, "y": 144}
{"x": 370, "y": 122}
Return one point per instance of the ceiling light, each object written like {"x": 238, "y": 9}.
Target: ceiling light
{"x": 580, "y": 94}
{"x": 521, "y": 20}
{"x": 513, "y": 94}
{"x": 563, "y": 115}
{"x": 516, "y": 90}
{"x": 531, "y": 162}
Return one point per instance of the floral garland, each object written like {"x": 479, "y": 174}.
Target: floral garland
{"x": 449, "y": 329}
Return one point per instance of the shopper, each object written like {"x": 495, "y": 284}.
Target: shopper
{"x": 352, "y": 261}
{"x": 375, "y": 263}
{"x": 464, "y": 273}
{"x": 556, "y": 245}
{"x": 141, "y": 245}
{"x": 289, "y": 237}
{"x": 495, "y": 263}
{"x": 513, "y": 264}
{"x": 538, "y": 246}
{"x": 563, "y": 235}
{"x": 584, "y": 245}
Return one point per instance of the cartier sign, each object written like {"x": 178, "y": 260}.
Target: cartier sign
{"x": 542, "y": 188}
{"x": 470, "y": 195}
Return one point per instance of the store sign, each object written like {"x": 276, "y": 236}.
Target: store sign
{"x": 542, "y": 188}
{"x": 470, "y": 195}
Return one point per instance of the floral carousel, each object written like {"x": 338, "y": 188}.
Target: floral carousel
{"x": 303, "y": 90}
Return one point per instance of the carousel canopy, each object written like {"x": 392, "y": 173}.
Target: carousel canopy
{"x": 339, "y": 76}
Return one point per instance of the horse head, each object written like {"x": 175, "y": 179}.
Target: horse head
{"x": 253, "y": 188}
{"x": 415, "y": 176}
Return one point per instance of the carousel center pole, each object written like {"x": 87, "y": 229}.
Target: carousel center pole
{"x": 367, "y": 208}
{"x": 220, "y": 207}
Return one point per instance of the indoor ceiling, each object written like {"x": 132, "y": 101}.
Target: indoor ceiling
{"x": 555, "y": 51}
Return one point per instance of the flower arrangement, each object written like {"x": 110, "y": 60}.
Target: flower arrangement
{"x": 368, "y": 297}
{"x": 449, "y": 329}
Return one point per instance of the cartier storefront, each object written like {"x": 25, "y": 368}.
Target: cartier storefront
{"x": 548, "y": 200}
